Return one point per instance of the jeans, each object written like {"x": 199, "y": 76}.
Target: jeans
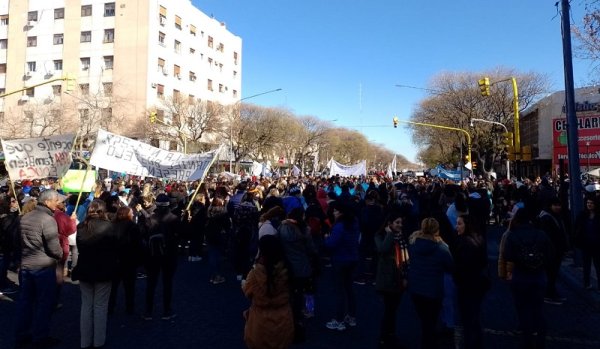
{"x": 469, "y": 308}
{"x": 36, "y": 303}
{"x": 428, "y": 311}
{"x": 168, "y": 265}
{"x": 94, "y": 311}
{"x": 342, "y": 278}
{"x": 528, "y": 293}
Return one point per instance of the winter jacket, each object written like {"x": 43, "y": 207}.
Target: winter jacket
{"x": 554, "y": 227}
{"x": 524, "y": 236}
{"x": 298, "y": 247}
{"x": 269, "y": 323}
{"x": 39, "y": 236}
{"x": 98, "y": 251}
{"x": 66, "y": 227}
{"x": 217, "y": 225}
{"x": 393, "y": 261}
{"x": 429, "y": 260}
{"x": 470, "y": 264}
{"x": 343, "y": 243}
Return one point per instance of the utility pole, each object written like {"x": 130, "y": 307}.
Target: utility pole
{"x": 572, "y": 134}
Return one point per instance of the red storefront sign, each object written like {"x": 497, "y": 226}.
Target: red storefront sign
{"x": 588, "y": 142}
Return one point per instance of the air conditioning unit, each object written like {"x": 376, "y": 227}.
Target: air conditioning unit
{"x": 163, "y": 20}
{"x": 31, "y": 23}
{"x": 165, "y": 71}
{"x": 28, "y": 74}
{"x": 153, "y": 85}
{"x": 85, "y": 68}
{"x": 192, "y": 78}
{"x": 178, "y": 76}
{"x": 24, "y": 98}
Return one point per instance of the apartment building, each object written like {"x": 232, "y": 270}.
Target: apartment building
{"x": 127, "y": 57}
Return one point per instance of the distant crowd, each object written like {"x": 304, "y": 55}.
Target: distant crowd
{"x": 422, "y": 237}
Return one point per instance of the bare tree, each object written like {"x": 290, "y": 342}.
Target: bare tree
{"x": 37, "y": 118}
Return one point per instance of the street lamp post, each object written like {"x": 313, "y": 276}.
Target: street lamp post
{"x": 231, "y": 124}
{"x": 505, "y": 130}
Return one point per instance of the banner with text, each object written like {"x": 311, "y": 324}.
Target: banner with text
{"x": 359, "y": 169}
{"x": 36, "y": 158}
{"x": 122, "y": 154}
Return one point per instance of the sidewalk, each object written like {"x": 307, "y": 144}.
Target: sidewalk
{"x": 572, "y": 275}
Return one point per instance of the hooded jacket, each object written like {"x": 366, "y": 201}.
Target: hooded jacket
{"x": 429, "y": 260}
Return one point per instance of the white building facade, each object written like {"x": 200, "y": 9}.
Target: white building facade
{"x": 125, "y": 55}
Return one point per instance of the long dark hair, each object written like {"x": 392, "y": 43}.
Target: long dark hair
{"x": 270, "y": 254}
{"x": 96, "y": 210}
{"x": 348, "y": 215}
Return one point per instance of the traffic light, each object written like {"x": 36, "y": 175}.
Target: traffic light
{"x": 71, "y": 82}
{"x": 395, "y": 120}
{"x": 484, "y": 86}
{"x": 152, "y": 117}
{"x": 507, "y": 138}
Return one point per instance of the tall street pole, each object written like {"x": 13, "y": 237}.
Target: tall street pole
{"x": 572, "y": 134}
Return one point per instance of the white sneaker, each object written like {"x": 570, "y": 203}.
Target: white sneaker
{"x": 335, "y": 325}
{"x": 350, "y": 321}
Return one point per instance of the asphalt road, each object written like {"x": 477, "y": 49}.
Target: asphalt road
{"x": 209, "y": 316}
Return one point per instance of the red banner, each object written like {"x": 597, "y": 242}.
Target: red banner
{"x": 588, "y": 142}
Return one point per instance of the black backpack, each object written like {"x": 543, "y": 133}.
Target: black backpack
{"x": 157, "y": 239}
{"x": 529, "y": 255}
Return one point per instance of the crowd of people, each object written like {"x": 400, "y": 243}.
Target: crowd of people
{"x": 422, "y": 237}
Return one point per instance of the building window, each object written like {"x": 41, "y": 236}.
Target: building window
{"x": 235, "y": 93}
{"x": 234, "y": 74}
{"x": 108, "y": 88}
{"x": 58, "y": 64}
{"x": 193, "y": 30}
{"x": 221, "y": 47}
{"x": 3, "y": 44}
{"x": 86, "y": 36}
{"x": 221, "y": 89}
{"x": 209, "y": 86}
{"x": 177, "y": 71}
{"x": 85, "y": 89}
{"x": 31, "y": 66}
{"x": 176, "y": 95}
{"x": 210, "y": 41}
{"x": 177, "y": 46}
{"x": 162, "y": 20}
{"x": 56, "y": 89}
{"x": 31, "y": 41}
{"x": 178, "y": 22}
{"x": 86, "y": 10}
{"x": 210, "y": 61}
{"x": 109, "y": 35}
{"x": 162, "y": 15}
{"x": 84, "y": 114}
{"x": 161, "y": 38}
{"x": 160, "y": 91}
{"x": 30, "y": 92}
{"x": 4, "y": 20}
{"x": 108, "y": 62}
{"x": 192, "y": 51}
{"x": 191, "y": 99}
{"x": 85, "y": 63}
{"x": 59, "y": 39}
{"x": 2, "y": 68}
{"x": 235, "y": 58}
{"x": 32, "y": 16}
{"x": 109, "y": 9}
{"x": 161, "y": 64}
{"x": 59, "y": 13}
{"x": 192, "y": 76}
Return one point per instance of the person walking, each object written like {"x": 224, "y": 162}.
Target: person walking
{"x": 470, "y": 275}
{"x": 40, "y": 253}
{"x": 587, "y": 238}
{"x": 269, "y": 320}
{"x": 551, "y": 223}
{"x": 129, "y": 251}
{"x": 392, "y": 273}
{"x": 161, "y": 238}
{"x": 430, "y": 258}
{"x": 342, "y": 244}
{"x": 97, "y": 245}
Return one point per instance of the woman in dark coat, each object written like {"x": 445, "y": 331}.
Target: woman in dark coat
{"x": 587, "y": 238}
{"x": 391, "y": 278}
{"x": 130, "y": 255}
{"x": 217, "y": 228}
{"x": 97, "y": 245}
{"x": 470, "y": 275}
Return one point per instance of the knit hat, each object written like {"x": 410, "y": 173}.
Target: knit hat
{"x": 162, "y": 200}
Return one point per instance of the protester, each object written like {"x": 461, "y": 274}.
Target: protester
{"x": 269, "y": 321}
{"x": 97, "y": 244}
{"x": 392, "y": 273}
{"x": 430, "y": 258}
{"x": 550, "y": 222}
{"x": 587, "y": 238}
{"x": 10, "y": 242}
{"x": 67, "y": 226}
{"x": 40, "y": 253}
{"x": 217, "y": 228}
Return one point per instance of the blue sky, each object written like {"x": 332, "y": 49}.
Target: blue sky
{"x": 341, "y": 59}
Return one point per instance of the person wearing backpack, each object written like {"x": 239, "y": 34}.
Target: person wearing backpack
{"x": 528, "y": 249}
{"x": 162, "y": 229}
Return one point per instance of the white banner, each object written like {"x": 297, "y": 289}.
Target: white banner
{"x": 36, "y": 158}
{"x": 122, "y": 154}
{"x": 359, "y": 169}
